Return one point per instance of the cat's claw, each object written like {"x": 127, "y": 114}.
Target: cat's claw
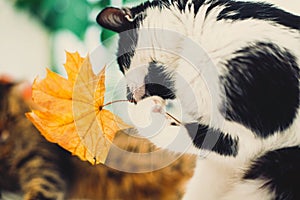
{"x": 159, "y": 104}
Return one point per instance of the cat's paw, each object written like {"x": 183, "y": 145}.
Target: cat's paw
{"x": 151, "y": 120}
{"x": 43, "y": 195}
{"x": 146, "y": 112}
{"x": 158, "y": 104}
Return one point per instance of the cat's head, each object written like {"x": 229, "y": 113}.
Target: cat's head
{"x": 143, "y": 65}
{"x": 156, "y": 56}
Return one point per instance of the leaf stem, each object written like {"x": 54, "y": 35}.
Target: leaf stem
{"x": 116, "y": 101}
{"x": 176, "y": 120}
{"x": 111, "y": 102}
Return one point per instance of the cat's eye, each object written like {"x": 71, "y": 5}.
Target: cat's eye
{"x": 4, "y": 135}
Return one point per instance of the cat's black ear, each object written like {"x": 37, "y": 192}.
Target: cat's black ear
{"x": 115, "y": 19}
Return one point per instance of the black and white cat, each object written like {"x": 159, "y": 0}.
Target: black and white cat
{"x": 234, "y": 68}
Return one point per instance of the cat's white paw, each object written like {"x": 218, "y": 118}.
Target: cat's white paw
{"x": 148, "y": 114}
{"x": 159, "y": 104}
{"x": 150, "y": 119}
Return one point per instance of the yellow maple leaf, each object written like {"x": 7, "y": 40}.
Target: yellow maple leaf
{"x": 71, "y": 110}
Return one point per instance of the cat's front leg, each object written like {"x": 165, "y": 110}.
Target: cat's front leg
{"x": 41, "y": 172}
{"x": 41, "y": 182}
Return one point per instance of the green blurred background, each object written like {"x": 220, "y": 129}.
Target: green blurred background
{"x": 36, "y": 33}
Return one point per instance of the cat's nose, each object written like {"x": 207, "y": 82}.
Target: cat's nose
{"x": 136, "y": 94}
{"x": 149, "y": 89}
{"x": 130, "y": 96}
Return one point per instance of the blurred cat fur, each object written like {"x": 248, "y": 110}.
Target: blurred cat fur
{"x": 43, "y": 171}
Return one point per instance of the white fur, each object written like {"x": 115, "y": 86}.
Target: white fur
{"x": 181, "y": 42}
{"x": 248, "y": 190}
{"x": 154, "y": 124}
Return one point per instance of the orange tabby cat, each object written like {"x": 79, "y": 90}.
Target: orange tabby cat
{"x": 44, "y": 171}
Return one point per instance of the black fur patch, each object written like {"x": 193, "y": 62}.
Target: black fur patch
{"x": 216, "y": 140}
{"x": 158, "y": 82}
{"x": 262, "y": 11}
{"x": 126, "y": 50}
{"x": 262, "y": 88}
{"x": 182, "y": 4}
{"x": 280, "y": 170}
{"x": 128, "y": 39}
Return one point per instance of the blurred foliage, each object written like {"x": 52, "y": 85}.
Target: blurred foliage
{"x": 105, "y": 35}
{"x": 73, "y": 15}
{"x": 125, "y": 2}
